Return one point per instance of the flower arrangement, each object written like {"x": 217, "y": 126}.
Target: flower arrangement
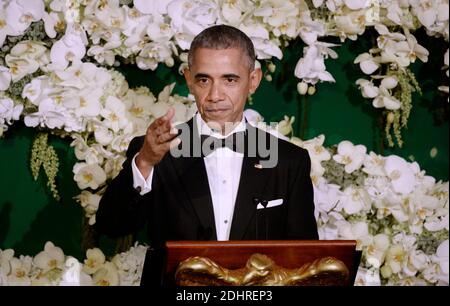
{"x": 57, "y": 74}
{"x": 52, "y": 267}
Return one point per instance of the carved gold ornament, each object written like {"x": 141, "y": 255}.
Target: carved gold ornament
{"x": 260, "y": 270}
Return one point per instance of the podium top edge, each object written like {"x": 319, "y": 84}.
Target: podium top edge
{"x": 260, "y": 243}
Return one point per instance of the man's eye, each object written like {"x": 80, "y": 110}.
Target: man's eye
{"x": 231, "y": 80}
{"x": 203, "y": 81}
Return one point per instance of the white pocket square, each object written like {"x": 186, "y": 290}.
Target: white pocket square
{"x": 272, "y": 203}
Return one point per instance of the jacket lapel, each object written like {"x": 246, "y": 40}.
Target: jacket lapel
{"x": 251, "y": 184}
{"x": 192, "y": 175}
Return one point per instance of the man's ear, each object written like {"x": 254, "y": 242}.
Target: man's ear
{"x": 188, "y": 77}
{"x": 255, "y": 79}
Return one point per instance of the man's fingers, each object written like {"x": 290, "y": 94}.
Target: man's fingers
{"x": 169, "y": 114}
{"x": 174, "y": 143}
{"x": 164, "y": 137}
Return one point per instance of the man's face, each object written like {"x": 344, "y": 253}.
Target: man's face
{"x": 220, "y": 81}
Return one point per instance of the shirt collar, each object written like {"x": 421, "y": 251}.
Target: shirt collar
{"x": 204, "y": 129}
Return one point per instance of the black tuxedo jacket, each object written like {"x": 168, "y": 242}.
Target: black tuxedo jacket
{"x": 179, "y": 206}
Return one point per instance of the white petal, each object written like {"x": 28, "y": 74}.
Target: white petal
{"x": 368, "y": 66}
{"x": 5, "y": 78}
{"x": 389, "y": 82}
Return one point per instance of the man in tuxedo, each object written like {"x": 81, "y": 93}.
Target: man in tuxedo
{"x": 226, "y": 192}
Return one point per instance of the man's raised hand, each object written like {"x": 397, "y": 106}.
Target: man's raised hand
{"x": 159, "y": 139}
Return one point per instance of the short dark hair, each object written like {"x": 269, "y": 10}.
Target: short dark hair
{"x": 220, "y": 37}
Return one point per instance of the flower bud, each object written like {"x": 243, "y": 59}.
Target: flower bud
{"x": 169, "y": 62}
{"x": 184, "y": 57}
{"x": 271, "y": 67}
{"x": 390, "y": 117}
{"x": 268, "y": 77}
{"x": 311, "y": 90}
{"x": 302, "y": 88}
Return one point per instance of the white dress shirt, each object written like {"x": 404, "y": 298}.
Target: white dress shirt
{"x": 223, "y": 168}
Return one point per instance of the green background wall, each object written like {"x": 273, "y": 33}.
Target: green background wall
{"x": 29, "y": 216}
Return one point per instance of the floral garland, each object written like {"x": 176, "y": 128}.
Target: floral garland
{"x": 52, "y": 267}
{"x": 56, "y": 73}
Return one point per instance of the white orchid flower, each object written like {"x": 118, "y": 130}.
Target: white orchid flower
{"x": 20, "y": 270}
{"x": 350, "y": 24}
{"x": 285, "y": 125}
{"x": 120, "y": 143}
{"x": 28, "y": 49}
{"x": 73, "y": 274}
{"x": 311, "y": 67}
{"x": 391, "y": 204}
{"x": 410, "y": 49}
{"x": 49, "y": 114}
{"x": 350, "y": 155}
{"x": 310, "y": 30}
{"x": 438, "y": 271}
{"x": 191, "y": 17}
{"x": 158, "y": 30}
{"x": 114, "y": 114}
{"x": 358, "y": 230}
{"x": 376, "y": 249}
{"x": 9, "y": 111}
{"x": 5, "y": 28}
{"x": 5, "y": 78}
{"x": 102, "y": 134}
{"x": 159, "y": 108}
{"x": 264, "y": 47}
{"x": 5, "y": 257}
{"x": 441, "y": 258}
{"x": 102, "y": 55}
{"x": 53, "y": 20}
{"x": 354, "y": 200}
{"x": 367, "y": 88}
{"x": 317, "y": 154}
{"x": 21, "y": 13}
{"x": 151, "y": 6}
{"x": 367, "y": 63}
{"x": 20, "y": 67}
{"x": 384, "y": 98}
{"x": 357, "y": 4}
{"x": 95, "y": 259}
{"x": 252, "y": 116}
{"x": 367, "y": 277}
{"x": 113, "y": 167}
{"x": 330, "y": 229}
{"x": 36, "y": 90}
{"x": 386, "y": 37}
{"x": 374, "y": 164}
{"x": 52, "y": 257}
{"x": 396, "y": 258}
{"x": 107, "y": 275}
{"x": 417, "y": 261}
{"x": 426, "y": 11}
{"x": 232, "y": 11}
{"x": 68, "y": 49}
{"x": 437, "y": 223}
{"x": 326, "y": 199}
{"x": 89, "y": 175}
{"x": 86, "y": 103}
{"x": 152, "y": 54}
{"x": 402, "y": 177}
{"x": 130, "y": 265}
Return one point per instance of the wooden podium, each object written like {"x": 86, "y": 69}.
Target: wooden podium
{"x": 161, "y": 264}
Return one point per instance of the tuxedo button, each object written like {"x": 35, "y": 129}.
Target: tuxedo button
{"x": 226, "y": 221}
{"x": 224, "y": 181}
